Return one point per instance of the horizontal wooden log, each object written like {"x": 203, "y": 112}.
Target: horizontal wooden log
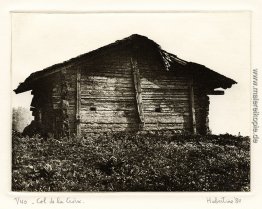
{"x": 149, "y": 118}
{"x": 216, "y": 92}
{"x": 98, "y": 102}
{"x": 110, "y": 75}
{"x": 109, "y": 98}
{"x": 133, "y": 108}
{"x": 170, "y": 114}
{"x": 164, "y": 87}
{"x": 58, "y": 96}
{"x": 71, "y": 112}
{"x": 86, "y": 113}
{"x": 162, "y": 81}
{"x": 107, "y": 88}
{"x": 165, "y": 96}
{"x": 100, "y": 128}
{"x": 85, "y": 106}
{"x": 104, "y": 93}
{"x": 107, "y": 129}
{"x": 113, "y": 58}
{"x": 165, "y": 126}
{"x": 179, "y": 90}
{"x": 170, "y": 103}
{"x": 100, "y": 79}
{"x": 108, "y": 125}
{"x": 164, "y": 99}
{"x": 103, "y": 119}
{"x": 99, "y": 85}
{"x": 166, "y": 93}
{"x": 130, "y": 103}
{"x": 148, "y": 73}
{"x": 108, "y": 116}
{"x": 167, "y": 109}
{"x": 33, "y": 109}
{"x": 107, "y": 69}
{"x": 120, "y": 69}
{"x": 108, "y": 62}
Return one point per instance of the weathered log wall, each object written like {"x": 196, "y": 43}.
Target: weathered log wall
{"x": 107, "y": 94}
{"x": 64, "y": 102}
{"x": 201, "y": 109}
{"x": 165, "y": 96}
{"x": 102, "y": 94}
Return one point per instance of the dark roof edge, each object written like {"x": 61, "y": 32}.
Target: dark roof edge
{"x": 167, "y": 59}
{"x": 56, "y": 67}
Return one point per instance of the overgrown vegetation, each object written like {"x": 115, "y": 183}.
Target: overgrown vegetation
{"x": 149, "y": 161}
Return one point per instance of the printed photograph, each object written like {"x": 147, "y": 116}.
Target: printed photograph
{"x": 131, "y": 102}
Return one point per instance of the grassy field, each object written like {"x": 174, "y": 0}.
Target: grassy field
{"x": 155, "y": 161}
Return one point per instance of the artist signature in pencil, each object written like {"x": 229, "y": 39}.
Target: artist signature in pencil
{"x": 221, "y": 200}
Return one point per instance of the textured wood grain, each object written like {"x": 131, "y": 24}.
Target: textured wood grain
{"x": 192, "y": 106}
{"x": 138, "y": 90}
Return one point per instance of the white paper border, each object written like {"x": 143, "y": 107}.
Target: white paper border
{"x": 122, "y": 200}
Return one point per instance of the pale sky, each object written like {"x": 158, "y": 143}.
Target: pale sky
{"x": 220, "y": 41}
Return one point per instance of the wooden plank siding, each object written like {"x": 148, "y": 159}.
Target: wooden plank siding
{"x": 67, "y": 77}
{"x": 108, "y": 95}
{"x": 165, "y": 97}
{"x": 201, "y": 110}
{"x": 102, "y": 93}
{"x": 129, "y": 85}
{"x": 192, "y": 105}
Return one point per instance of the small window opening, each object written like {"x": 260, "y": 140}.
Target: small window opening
{"x": 92, "y": 108}
{"x": 158, "y": 109}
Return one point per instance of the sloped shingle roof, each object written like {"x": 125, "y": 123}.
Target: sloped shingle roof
{"x": 170, "y": 62}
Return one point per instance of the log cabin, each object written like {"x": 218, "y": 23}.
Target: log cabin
{"x": 129, "y": 85}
